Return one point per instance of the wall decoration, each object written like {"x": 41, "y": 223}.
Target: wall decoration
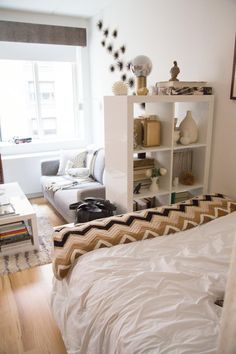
{"x": 128, "y": 65}
{"x": 122, "y": 48}
{"x": 116, "y": 55}
{"x": 99, "y": 25}
{"x": 110, "y": 48}
{"x": 112, "y": 68}
{"x": 117, "y": 52}
{"x": 233, "y": 81}
{"x": 120, "y": 65}
{"x": 114, "y": 33}
{"x": 123, "y": 77}
{"x": 131, "y": 82}
{"x": 106, "y": 32}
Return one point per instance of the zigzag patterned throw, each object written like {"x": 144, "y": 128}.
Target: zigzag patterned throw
{"x": 72, "y": 242}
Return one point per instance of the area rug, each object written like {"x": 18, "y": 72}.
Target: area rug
{"x": 17, "y": 262}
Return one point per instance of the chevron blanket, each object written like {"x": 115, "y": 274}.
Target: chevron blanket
{"x": 72, "y": 242}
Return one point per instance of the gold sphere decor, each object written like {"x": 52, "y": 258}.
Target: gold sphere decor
{"x": 142, "y": 91}
{"x": 141, "y": 66}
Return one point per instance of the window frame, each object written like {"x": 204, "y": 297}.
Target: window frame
{"x": 38, "y": 111}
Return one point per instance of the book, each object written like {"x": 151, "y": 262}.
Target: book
{"x": 177, "y": 197}
{"x": 15, "y": 239}
{"x": 141, "y": 174}
{"x": 143, "y": 203}
{"x": 9, "y": 246}
{"x": 141, "y": 163}
{"x": 12, "y": 226}
{"x": 184, "y": 90}
{"x": 14, "y": 232}
{"x": 181, "y": 84}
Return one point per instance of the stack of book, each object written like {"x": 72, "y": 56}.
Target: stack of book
{"x": 141, "y": 169}
{"x": 183, "y": 88}
{"x": 143, "y": 203}
{"x": 178, "y": 197}
{"x": 16, "y": 232}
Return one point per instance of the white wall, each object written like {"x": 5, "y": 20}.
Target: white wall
{"x": 200, "y": 36}
{"x": 42, "y": 18}
{"x": 26, "y": 170}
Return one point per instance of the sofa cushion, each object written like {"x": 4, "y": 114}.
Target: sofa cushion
{"x": 98, "y": 165}
{"x": 64, "y": 197}
{"x": 78, "y": 172}
{"x": 71, "y": 158}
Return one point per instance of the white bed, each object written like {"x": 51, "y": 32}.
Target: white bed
{"x": 152, "y": 296}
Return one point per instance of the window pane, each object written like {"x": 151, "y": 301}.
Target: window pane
{"x": 37, "y": 100}
{"x": 46, "y": 92}
{"x": 15, "y": 98}
{"x": 49, "y": 125}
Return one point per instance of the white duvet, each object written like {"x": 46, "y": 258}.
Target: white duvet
{"x": 153, "y": 296}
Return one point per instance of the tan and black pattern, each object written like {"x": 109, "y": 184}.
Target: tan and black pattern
{"x": 72, "y": 242}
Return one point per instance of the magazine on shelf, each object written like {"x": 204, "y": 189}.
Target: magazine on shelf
{"x": 181, "y": 84}
{"x": 8, "y": 246}
{"x": 4, "y": 200}
{"x": 7, "y": 210}
{"x": 14, "y": 233}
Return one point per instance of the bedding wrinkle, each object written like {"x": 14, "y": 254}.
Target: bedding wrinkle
{"x": 150, "y": 297}
{"x": 74, "y": 242}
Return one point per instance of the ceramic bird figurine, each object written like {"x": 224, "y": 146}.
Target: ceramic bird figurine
{"x": 174, "y": 71}
{"x": 137, "y": 188}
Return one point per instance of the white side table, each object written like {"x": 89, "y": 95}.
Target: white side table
{"x": 24, "y": 212}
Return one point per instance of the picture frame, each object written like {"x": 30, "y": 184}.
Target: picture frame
{"x": 233, "y": 80}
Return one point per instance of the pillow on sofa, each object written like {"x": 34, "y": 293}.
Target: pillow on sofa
{"x": 75, "y": 157}
{"x": 78, "y": 172}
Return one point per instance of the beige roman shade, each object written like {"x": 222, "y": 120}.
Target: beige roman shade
{"x": 36, "y": 33}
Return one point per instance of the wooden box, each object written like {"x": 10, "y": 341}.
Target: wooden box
{"x": 151, "y": 132}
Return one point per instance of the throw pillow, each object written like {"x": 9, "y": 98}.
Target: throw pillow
{"x": 78, "y": 172}
{"x": 74, "y": 156}
{"x": 79, "y": 160}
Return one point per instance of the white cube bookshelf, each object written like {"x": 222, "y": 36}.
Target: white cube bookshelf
{"x": 120, "y": 112}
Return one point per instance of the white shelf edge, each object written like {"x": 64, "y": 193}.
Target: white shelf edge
{"x": 183, "y": 188}
{"x": 152, "y": 149}
{"x": 149, "y": 194}
{"x": 190, "y": 146}
{"x": 16, "y": 248}
{"x": 164, "y": 98}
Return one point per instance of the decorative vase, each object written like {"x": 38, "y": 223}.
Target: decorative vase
{"x": 188, "y": 130}
{"x": 154, "y": 188}
{"x": 176, "y": 136}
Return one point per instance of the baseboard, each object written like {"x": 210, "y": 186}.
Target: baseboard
{"x": 34, "y": 195}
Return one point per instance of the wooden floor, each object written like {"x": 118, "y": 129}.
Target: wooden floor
{"x": 26, "y": 321}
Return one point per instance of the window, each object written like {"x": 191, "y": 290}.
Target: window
{"x": 39, "y": 99}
